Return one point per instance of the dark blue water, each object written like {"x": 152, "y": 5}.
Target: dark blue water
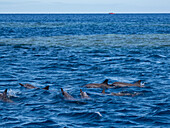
{"x": 70, "y": 51}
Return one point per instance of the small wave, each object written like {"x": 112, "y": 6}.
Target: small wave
{"x": 44, "y": 123}
{"x": 163, "y": 113}
{"x": 82, "y": 115}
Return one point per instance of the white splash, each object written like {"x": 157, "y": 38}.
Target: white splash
{"x": 12, "y": 93}
{"x": 99, "y": 113}
{"x": 142, "y": 84}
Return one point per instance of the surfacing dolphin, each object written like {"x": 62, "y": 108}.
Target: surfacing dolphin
{"x": 124, "y": 94}
{"x": 121, "y": 93}
{"x": 4, "y": 97}
{"x": 66, "y": 95}
{"x": 29, "y": 86}
{"x": 121, "y": 84}
{"x": 70, "y": 98}
{"x": 84, "y": 95}
{"x": 97, "y": 85}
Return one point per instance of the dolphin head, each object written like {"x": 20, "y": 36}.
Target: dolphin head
{"x": 84, "y": 94}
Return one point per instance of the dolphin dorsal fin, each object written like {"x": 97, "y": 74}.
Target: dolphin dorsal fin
{"x": 103, "y": 92}
{"x": 81, "y": 92}
{"x": 46, "y": 88}
{"x": 105, "y": 81}
{"x": 62, "y": 91}
{"x": 138, "y": 82}
{"x": 5, "y": 92}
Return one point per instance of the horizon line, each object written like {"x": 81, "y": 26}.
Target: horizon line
{"x": 84, "y": 12}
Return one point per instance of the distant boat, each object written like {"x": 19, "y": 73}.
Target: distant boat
{"x": 111, "y": 13}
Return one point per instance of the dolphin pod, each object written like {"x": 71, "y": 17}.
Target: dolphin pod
{"x": 4, "y": 97}
{"x": 115, "y": 84}
{"x": 69, "y": 97}
{"x": 104, "y": 85}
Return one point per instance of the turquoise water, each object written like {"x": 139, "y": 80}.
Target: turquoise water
{"x": 69, "y": 51}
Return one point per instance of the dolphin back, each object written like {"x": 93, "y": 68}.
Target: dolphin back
{"x": 29, "y": 86}
{"x": 66, "y": 95}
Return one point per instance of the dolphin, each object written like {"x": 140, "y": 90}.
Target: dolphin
{"x": 4, "y": 97}
{"x": 124, "y": 94}
{"x": 97, "y": 85}
{"x": 121, "y": 94}
{"x": 84, "y": 95}
{"x": 29, "y": 86}
{"x": 121, "y": 84}
{"x": 66, "y": 95}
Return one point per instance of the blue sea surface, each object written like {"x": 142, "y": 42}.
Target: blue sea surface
{"x": 71, "y": 50}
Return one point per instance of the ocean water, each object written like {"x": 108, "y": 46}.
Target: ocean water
{"x": 70, "y": 50}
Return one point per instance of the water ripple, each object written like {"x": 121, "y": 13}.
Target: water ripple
{"x": 72, "y": 61}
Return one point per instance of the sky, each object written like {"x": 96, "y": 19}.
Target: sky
{"x": 79, "y": 6}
